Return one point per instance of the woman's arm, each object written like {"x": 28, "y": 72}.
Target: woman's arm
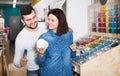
{"x": 40, "y": 58}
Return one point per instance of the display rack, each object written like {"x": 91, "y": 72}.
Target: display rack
{"x": 4, "y": 50}
{"x": 4, "y": 54}
{"x": 105, "y": 20}
{"x": 97, "y": 54}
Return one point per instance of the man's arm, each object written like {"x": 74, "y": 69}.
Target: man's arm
{"x": 18, "y": 54}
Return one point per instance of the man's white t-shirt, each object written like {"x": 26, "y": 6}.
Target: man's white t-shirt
{"x": 27, "y": 40}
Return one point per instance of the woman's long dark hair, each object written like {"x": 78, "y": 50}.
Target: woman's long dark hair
{"x": 63, "y": 25}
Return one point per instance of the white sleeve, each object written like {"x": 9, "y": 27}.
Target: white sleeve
{"x": 18, "y": 53}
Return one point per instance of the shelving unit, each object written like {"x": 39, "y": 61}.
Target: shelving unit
{"x": 106, "y": 64}
{"x": 104, "y": 20}
{"x": 94, "y": 57}
{"x": 4, "y": 54}
{"x": 4, "y": 50}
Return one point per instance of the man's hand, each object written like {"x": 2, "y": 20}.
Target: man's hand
{"x": 70, "y": 29}
{"x": 23, "y": 62}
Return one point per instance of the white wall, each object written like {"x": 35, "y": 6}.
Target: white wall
{"x": 76, "y": 13}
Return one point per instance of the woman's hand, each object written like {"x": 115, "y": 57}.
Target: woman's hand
{"x": 41, "y": 51}
{"x": 73, "y": 47}
{"x": 41, "y": 46}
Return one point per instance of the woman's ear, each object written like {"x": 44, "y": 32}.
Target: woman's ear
{"x": 23, "y": 22}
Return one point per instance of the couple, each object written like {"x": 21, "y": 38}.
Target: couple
{"x": 55, "y": 59}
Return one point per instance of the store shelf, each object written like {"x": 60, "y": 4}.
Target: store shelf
{"x": 106, "y": 64}
{"x": 98, "y": 53}
{"x": 106, "y": 34}
{"x": 104, "y": 20}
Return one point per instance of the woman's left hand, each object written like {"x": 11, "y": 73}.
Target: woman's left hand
{"x": 73, "y": 47}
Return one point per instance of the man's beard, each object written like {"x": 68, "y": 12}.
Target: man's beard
{"x": 32, "y": 27}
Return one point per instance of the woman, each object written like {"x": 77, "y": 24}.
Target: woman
{"x": 55, "y": 59}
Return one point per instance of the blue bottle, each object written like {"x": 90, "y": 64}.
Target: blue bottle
{"x": 25, "y": 53}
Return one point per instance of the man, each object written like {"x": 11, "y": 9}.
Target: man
{"x": 26, "y": 39}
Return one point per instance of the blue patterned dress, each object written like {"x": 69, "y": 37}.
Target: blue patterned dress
{"x": 56, "y": 60}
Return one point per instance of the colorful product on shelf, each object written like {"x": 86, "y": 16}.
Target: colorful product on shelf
{"x": 91, "y": 46}
{"x": 107, "y": 19}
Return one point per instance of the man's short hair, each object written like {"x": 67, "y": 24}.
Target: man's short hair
{"x": 26, "y": 10}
